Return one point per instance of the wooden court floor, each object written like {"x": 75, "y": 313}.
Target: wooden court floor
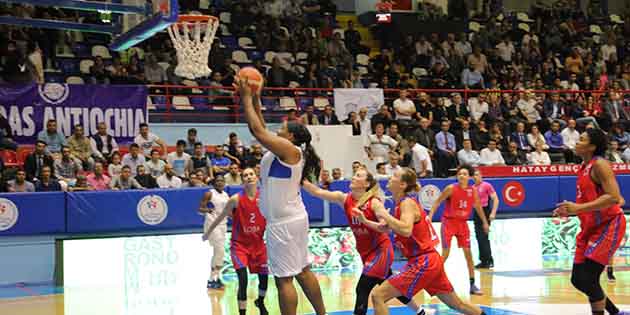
{"x": 508, "y": 290}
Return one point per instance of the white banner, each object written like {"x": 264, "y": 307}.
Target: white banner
{"x": 351, "y": 100}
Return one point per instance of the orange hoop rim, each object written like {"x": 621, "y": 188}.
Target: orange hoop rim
{"x": 190, "y": 18}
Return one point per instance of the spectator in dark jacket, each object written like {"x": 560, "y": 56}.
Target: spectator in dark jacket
{"x": 36, "y": 161}
{"x": 46, "y": 181}
{"x": 328, "y": 117}
{"x": 514, "y": 156}
{"x": 6, "y": 135}
{"x": 384, "y": 116}
{"x": 145, "y": 180}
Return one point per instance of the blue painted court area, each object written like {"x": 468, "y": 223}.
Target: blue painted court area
{"x": 434, "y": 309}
{"x": 21, "y": 290}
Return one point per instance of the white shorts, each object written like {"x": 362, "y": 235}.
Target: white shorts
{"x": 287, "y": 247}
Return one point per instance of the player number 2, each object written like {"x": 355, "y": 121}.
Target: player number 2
{"x": 252, "y": 218}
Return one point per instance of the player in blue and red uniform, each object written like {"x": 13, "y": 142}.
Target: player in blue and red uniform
{"x": 373, "y": 243}
{"x": 460, "y": 199}
{"x": 601, "y": 220}
{"x": 417, "y": 240}
{"x": 247, "y": 247}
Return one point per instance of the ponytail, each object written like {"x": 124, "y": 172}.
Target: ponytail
{"x": 312, "y": 163}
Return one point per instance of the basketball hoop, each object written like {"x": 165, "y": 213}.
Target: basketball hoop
{"x": 192, "y": 37}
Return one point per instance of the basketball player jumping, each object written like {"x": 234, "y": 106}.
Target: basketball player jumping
{"x": 602, "y": 222}
{"x": 247, "y": 246}
{"x": 415, "y": 237}
{"x": 461, "y": 198}
{"x": 212, "y": 204}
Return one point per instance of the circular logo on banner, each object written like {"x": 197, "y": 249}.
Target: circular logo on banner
{"x": 8, "y": 214}
{"x": 54, "y": 93}
{"x": 513, "y": 194}
{"x": 152, "y": 209}
{"x": 428, "y": 195}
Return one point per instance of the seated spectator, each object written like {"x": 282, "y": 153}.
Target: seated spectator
{"x": 147, "y": 140}
{"x": 555, "y": 110}
{"x": 46, "y": 182}
{"x": 98, "y": 73}
{"x": 37, "y": 160}
{"x": 364, "y": 122}
{"x": 235, "y": 148}
{"x": 325, "y": 180}
{"x": 144, "y": 179}
{"x": 353, "y": 120}
{"x": 115, "y": 167}
{"x": 393, "y": 165}
{"x": 520, "y": 138}
{"x": 491, "y": 156}
{"x": 169, "y": 179}
{"x": 200, "y": 161}
{"x": 496, "y": 133}
{"x": 328, "y": 117}
{"x": 539, "y": 157}
{"x": 337, "y": 174}
{"x": 133, "y": 158}
{"x": 53, "y": 139}
{"x": 481, "y": 136}
{"x": 103, "y": 145}
{"x": 233, "y": 177}
{"x": 6, "y": 135}
{"x": 618, "y": 133}
{"x": 446, "y": 154}
{"x": 626, "y": 155}
{"x": 379, "y": 145}
{"x": 254, "y": 156}
{"x": 220, "y": 163}
{"x": 80, "y": 148}
{"x": 67, "y": 168}
{"x": 81, "y": 184}
{"x": 514, "y": 156}
{"x": 291, "y": 116}
{"x": 180, "y": 160}
{"x": 458, "y": 112}
{"x": 570, "y": 136}
{"x": 191, "y": 140}
{"x": 98, "y": 180}
{"x": 309, "y": 117}
{"x": 381, "y": 173}
{"x": 612, "y": 154}
{"x": 535, "y": 136}
{"x": 478, "y": 107}
{"x": 20, "y": 184}
{"x": 155, "y": 166}
{"x": 420, "y": 159}
{"x": 464, "y": 134}
{"x": 153, "y": 72}
{"x": 529, "y": 108}
{"x": 392, "y": 132}
{"x": 125, "y": 181}
{"x": 468, "y": 156}
{"x": 472, "y": 78}
{"x": 554, "y": 140}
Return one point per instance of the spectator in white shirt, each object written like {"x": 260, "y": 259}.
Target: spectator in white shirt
{"x": 155, "y": 166}
{"x": 626, "y": 155}
{"x": 467, "y": 155}
{"x": 179, "y": 159}
{"x": 539, "y": 157}
{"x": 609, "y": 50}
{"x": 103, "y": 145}
{"x": 393, "y": 166}
{"x": 613, "y": 154}
{"x": 133, "y": 158}
{"x": 570, "y": 136}
{"x": 381, "y": 174}
{"x": 478, "y": 106}
{"x": 505, "y": 50}
{"x": 404, "y": 107}
{"x": 534, "y": 136}
{"x": 379, "y": 144}
{"x": 146, "y": 140}
{"x": 491, "y": 155}
{"x": 529, "y": 107}
{"x": 169, "y": 179}
{"x": 364, "y": 123}
{"x": 420, "y": 159}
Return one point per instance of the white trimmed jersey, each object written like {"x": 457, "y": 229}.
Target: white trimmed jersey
{"x": 280, "y": 194}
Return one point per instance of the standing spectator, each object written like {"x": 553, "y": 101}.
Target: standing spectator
{"x": 555, "y": 141}
{"x": 125, "y": 181}
{"x": 53, "y": 139}
{"x": 420, "y": 159}
{"x": 539, "y": 157}
{"x": 46, "y": 182}
{"x": 352, "y": 38}
{"x": 514, "y": 156}
{"x": 505, "y": 50}
{"x": 220, "y": 163}
{"x": 145, "y": 180}
{"x": 309, "y": 117}
{"x": 179, "y": 160}
{"x": 36, "y": 161}
{"x": 446, "y": 155}
{"x": 155, "y": 166}
{"x": 405, "y": 110}
{"x": 520, "y": 138}
{"x": 535, "y": 136}
{"x": 570, "y": 136}
{"x": 98, "y": 180}
{"x": 191, "y": 141}
{"x": 364, "y": 123}
{"x": 103, "y": 145}
{"x": 6, "y": 135}
{"x": 468, "y": 156}
{"x": 477, "y": 60}
{"x": 383, "y": 117}
{"x": 133, "y": 158}
{"x": 67, "y": 168}
{"x": 233, "y": 177}
{"x": 20, "y": 184}
{"x": 168, "y": 179}
{"x": 491, "y": 155}
{"x": 80, "y": 148}
{"x": 353, "y": 120}
{"x": 393, "y": 133}
{"x": 393, "y": 166}
{"x": 379, "y": 145}
{"x": 485, "y": 192}
{"x": 200, "y": 162}
{"x": 328, "y": 117}
{"x": 146, "y": 140}
{"x": 115, "y": 167}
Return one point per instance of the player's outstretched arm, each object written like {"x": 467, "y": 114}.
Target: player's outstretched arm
{"x": 330, "y": 196}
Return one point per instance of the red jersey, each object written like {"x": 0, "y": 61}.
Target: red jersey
{"x": 459, "y": 205}
{"x": 423, "y": 237}
{"x": 367, "y": 239}
{"x": 248, "y": 224}
{"x": 586, "y": 191}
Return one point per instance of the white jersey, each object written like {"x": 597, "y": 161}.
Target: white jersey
{"x": 280, "y": 189}
{"x": 219, "y": 200}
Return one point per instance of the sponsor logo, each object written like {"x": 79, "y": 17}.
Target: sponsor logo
{"x": 54, "y": 93}
{"x": 152, "y": 209}
{"x": 8, "y": 214}
{"x": 428, "y": 195}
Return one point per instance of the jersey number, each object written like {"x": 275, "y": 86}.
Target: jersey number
{"x": 463, "y": 204}
{"x": 252, "y": 218}
{"x": 355, "y": 221}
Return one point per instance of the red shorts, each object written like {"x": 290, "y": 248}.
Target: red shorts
{"x": 425, "y": 272}
{"x": 377, "y": 263}
{"x": 599, "y": 242}
{"x": 457, "y": 228}
{"x": 254, "y": 258}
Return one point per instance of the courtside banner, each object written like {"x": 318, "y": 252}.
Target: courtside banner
{"x": 543, "y": 170}
{"x": 352, "y": 100}
{"x": 27, "y": 108}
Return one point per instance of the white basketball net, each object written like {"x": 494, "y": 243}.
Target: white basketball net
{"x": 192, "y": 48}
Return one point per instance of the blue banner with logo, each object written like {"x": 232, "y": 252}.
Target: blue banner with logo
{"x": 32, "y": 213}
{"x": 28, "y": 108}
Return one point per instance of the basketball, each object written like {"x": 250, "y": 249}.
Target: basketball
{"x": 253, "y": 76}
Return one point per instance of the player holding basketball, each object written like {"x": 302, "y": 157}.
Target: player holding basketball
{"x": 373, "y": 243}
{"x": 415, "y": 237}
{"x": 247, "y": 246}
{"x": 460, "y": 199}
{"x": 290, "y": 159}
{"x": 212, "y": 204}
{"x": 601, "y": 220}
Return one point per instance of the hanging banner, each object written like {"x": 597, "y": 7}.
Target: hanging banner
{"x": 28, "y": 107}
{"x": 352, "y": 100}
